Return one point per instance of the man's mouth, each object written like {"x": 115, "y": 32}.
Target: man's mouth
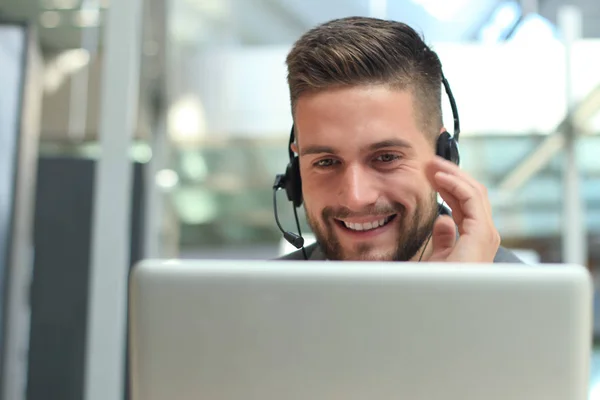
{"x": 366, "y": 225}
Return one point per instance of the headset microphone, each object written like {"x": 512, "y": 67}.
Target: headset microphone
{"x": 295, "y": 240}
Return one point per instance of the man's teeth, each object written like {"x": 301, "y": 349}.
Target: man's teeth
{"x": 367, "y": 225}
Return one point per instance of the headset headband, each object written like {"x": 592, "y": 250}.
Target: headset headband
{"x": 455, "y": 118}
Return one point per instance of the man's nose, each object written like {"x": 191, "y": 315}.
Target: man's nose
{"x": 357, "y": 189}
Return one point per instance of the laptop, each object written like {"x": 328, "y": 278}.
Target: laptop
{"x": 293, "y": 330}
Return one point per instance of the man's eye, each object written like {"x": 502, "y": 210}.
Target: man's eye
{"x": 386, "y": 158}
{"x": 328, "y": 162}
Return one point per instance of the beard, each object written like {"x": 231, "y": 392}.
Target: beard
{"x": 412, "y": 231}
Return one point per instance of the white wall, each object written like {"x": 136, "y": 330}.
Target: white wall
{"x": 504, "y": 88}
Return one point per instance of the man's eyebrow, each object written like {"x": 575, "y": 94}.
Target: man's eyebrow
{"x": 316, "y": 150}
{"x": 389, "y": 143}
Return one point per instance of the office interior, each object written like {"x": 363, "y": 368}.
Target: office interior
{"x": 154, "y": 129}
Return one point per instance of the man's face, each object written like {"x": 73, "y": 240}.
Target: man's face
{"x": 362, "y": 158}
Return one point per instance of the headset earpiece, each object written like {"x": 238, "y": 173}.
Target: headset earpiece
{"x": 447, "y": 148}
{"x": 293, "y": 183}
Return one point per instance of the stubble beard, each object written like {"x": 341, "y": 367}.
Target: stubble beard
{"x": 413, "y": 231}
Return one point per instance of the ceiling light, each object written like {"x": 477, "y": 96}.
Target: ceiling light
{"x": 60, "y": 4}
{"x": 166, "y": 179}
{"x": 65, "y": 4}
{"x": 141, "y": 153}
{"x": 50, "y": 19}
{"x": 73, "y": 60}
{"x": 65, "y": 64}
{"x": 86, "y": 18}
{"x": 194, "y": 165}
{"x": 195, "y": 205}
{"x": 186, "y": 120}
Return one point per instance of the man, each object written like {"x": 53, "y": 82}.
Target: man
{"x": 366, "y": 104}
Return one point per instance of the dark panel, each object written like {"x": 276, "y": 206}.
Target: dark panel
{"x": 59, "y": 292}
{"x": 59, "y": 287}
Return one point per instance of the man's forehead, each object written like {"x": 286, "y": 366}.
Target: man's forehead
{"x": 354, "y": 106}
{"x": 369, "y": 139}
{"x": 355, "y": 117}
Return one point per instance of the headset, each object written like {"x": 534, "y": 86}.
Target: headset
{"x": 446, "y": 147}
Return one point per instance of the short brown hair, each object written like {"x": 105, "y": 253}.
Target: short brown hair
{"x": 360, "y": 50}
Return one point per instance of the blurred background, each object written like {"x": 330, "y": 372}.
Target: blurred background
{"x": 154, "y": 129}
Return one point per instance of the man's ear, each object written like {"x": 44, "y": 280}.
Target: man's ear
{"x": 294, "y": 148}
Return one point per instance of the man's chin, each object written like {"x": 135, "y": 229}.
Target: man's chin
{"x": 370, "y": 258}
{"x": 374, "y": 254}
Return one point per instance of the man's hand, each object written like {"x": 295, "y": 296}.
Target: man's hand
{"x": 471, "y": 210}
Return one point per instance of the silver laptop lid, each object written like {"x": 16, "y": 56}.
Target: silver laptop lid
{"x": 330, "y": 330}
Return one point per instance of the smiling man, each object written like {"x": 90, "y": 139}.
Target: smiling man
{"x": 366, "y": 104}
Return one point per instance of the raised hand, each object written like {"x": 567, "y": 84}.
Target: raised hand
{"x": 478, "y": 239}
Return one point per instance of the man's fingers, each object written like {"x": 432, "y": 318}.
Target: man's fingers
{"x": 471, "y": 210}
{"x": 453, "y": 203}
{"x": 443, "y": 238}
{"x": 441, "y": 165}
{"x": 468, "y": 198}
